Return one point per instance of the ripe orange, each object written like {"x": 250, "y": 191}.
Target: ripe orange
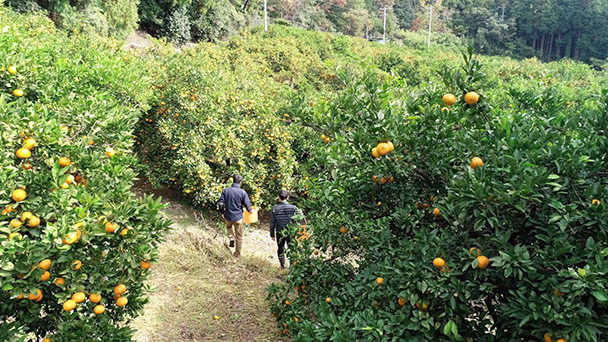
{"x": 437, "y": 212}
{"x": 45, "y": 264}
{"x": 70, "y": 179}
{"x": 287, "y": 302}
{"x": 316, "y": 252}
{"x": 79, "y": 297}
{"x": 99, "y": 309}
{"x": 391, "y": 147}
{"x": 438, "y": 262}
{"x": 23, "y": 153}
{"x": 375, "y": 153}
{"x": 474, "y": 251}
{"x": 70, "y": 238}
{"x": 483, "y": 261}
{"x": 76, "y": 265}
{"x": 449, "y": 99}
{"x": 379, "y": 280}
{"x": 29, "y": 143}
{"x": 122, "y": 301}
{"x": 46, "y": 340}
{"x": 33, "y": 222}
{"x": 124, "y": 231}
{"x": 343, "y": 230}
{"x": 95, "y": 298}
{"x": 471, "y": 98}
{"x": 45, "y": 276}
{"x": 12, "y": 70}
{"x": 12, "y": 235}
{"x": 401, "y": 301}
{"x": 26, "y": 215}
{"x": 120, "y": 289}
{"x": 547, "y": 337}
{"x": 18, "y": 92}
{"x": 110, "y": 152}
{"x": 383, "y": 148}
{"x": 60, "y": 281}
{"x": 384, "y": 180}
{"x": 596, "y": 202}
{"x": 26, "y": 166}
{"x": 145, "y": 264}
{"x": 476, "y": 162}
{"x": 328, "y": 300}
{"x": 65, "y": 186}
{"x": 391, "y": 179}
{"x": 34, "y": 296}
{"x": 561, "y": 340}
{"x": 64, "y": 162}
{"x": 375, "y": 179}
{"x": 69, "y": 305}
{"x": 19, "y": 195}
{"x": 16, "y": 223}
{"x": 110, "y": 227}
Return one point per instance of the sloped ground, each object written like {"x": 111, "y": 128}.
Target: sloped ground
{"x": 196, "y": 278}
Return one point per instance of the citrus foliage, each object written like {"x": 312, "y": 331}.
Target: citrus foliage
{"x": 494, "y": 227}
{"x": 60, "y": 187}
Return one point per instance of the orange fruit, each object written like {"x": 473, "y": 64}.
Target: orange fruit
{"x": 110, "y": 152}
{"x": 375, "y": 153}
{"x": 476, "y": 162}
{"x": 26, "y": 166}
{"x": 384, "y": 180}
{"x": 120, "y": 289}
{"x": 557, "y": 292}
{"x": 145, "y": 264}
{"x": 379, "y": 280}
{"x": 474, "y": 251}
{"x": 70, "y": 179}
{"x": 328, "y": 300}
{"x": 79, "y": 297}
{"x": 33, "y": 222}
{"x": 26, "y": 215}
{"x": 483, "y": 261}
{"x": 437, "y": 212}
{"x": 16, "y": 223}
{"x": 391, "y": 179}
{"x": 110, "y": 227}
{"x": 375, "y": 179}
{"x": 19, "y": 195}
{"x": 59, "y": 281}
{"x": 29, "y": 143}
{"x": 99, "y": 309}
{"x": 46, "y": 340}
{"x": 23, "y": 153}
{"x": 70, "y": 238}
{"x": 64, "y": 162}
{"x": 124, "y": 231}
{"x": 449, "y": 99}
{"x": 122, "y": 301}
{"x": 287, "y": 302}
{"x": 401, "y": 301}
{"x": 383, "y": 148}
{"x": 316, "y": 253}
{"x": 39, "y": 298}
{"x": 596, "y": 202}
{"x": 76, "y": 265}
{"x": 20, "y": 296}
{"x": 471, "y": 98}
{"x": 65, "y": 186}
{"x": 391, "y": 147}
{"x": 12, "y": 70}
{"x": 547, "y": 337}
{"x": 45, "y": 264}
{"x": 95, "y": 298}
{"x": 561, "y": 340}
{"x": 18, "y": 92}
{"x": 34, "y": 296}
{"x": 343, "y": 230}
{"x": 45, "y": 276}
{"x": 69, "y": 305}
{"x": 438, "y": 262}
{"x": 12, "y": 235}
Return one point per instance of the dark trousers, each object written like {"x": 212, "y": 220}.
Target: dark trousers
{"x": 282, "y": 243}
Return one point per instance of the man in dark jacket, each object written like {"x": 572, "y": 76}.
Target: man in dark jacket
{"x": 233, "y": 199}
{"x": 280, "y": 217}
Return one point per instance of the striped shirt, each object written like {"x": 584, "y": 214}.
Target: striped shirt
{"x": 281, "y": 216}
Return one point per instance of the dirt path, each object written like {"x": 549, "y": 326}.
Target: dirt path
{"x": 196, "y": 278}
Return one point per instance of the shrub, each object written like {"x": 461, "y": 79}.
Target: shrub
{"x": 77, "y": 103}
{"x": 535, "y": 209}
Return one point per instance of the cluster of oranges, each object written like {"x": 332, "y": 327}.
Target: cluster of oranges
{"x": 482, "y": 261}
{"x": 383, "y": 179}
{"x": 325, "y": 138}
{"x": 95, "y": 298}
{"x": 470, "y": 98}
{"x": 13, "y": 71}
{"x": 382, "y": 149}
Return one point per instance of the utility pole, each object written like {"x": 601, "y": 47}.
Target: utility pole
{"x": 430, "y": 22}
{"x": 384, "y": 33}
{"x": 502, "y": 18}
{"x": 265, "y": 17}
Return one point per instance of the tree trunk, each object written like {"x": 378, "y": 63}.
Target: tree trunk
{"x": 550, "y": 49}
{"x": 542, "y": 45}
{"x": 577, "y": 50}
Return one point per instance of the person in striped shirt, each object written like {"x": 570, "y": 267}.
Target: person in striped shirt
{"x": 281, "y": 216}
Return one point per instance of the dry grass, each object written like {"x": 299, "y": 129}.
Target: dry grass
{"x": 196, "y": 278}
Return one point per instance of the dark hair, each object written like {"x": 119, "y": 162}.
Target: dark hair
{"x": 237, "y": 178}
{"x": 283, "y": 195}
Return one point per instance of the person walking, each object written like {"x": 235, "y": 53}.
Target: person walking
{"x": 281, "y": 216}
{"x": 232, "y": 201}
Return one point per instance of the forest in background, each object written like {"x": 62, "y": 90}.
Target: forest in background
{"x": 547, "y": 29}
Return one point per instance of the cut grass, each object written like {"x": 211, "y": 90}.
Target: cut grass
{"x": 197, "y": 278}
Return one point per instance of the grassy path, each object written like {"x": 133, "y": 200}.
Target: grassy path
{"x": 197, "y": 278}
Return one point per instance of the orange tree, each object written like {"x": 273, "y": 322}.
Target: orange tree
{"x": 484, "y": 221}
{"x": 76, "y": 245}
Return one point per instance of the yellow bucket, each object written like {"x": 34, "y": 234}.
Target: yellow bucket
{"x": 250, "y": 218}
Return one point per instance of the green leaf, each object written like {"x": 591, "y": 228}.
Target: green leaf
{"x": 600, "y": 296}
